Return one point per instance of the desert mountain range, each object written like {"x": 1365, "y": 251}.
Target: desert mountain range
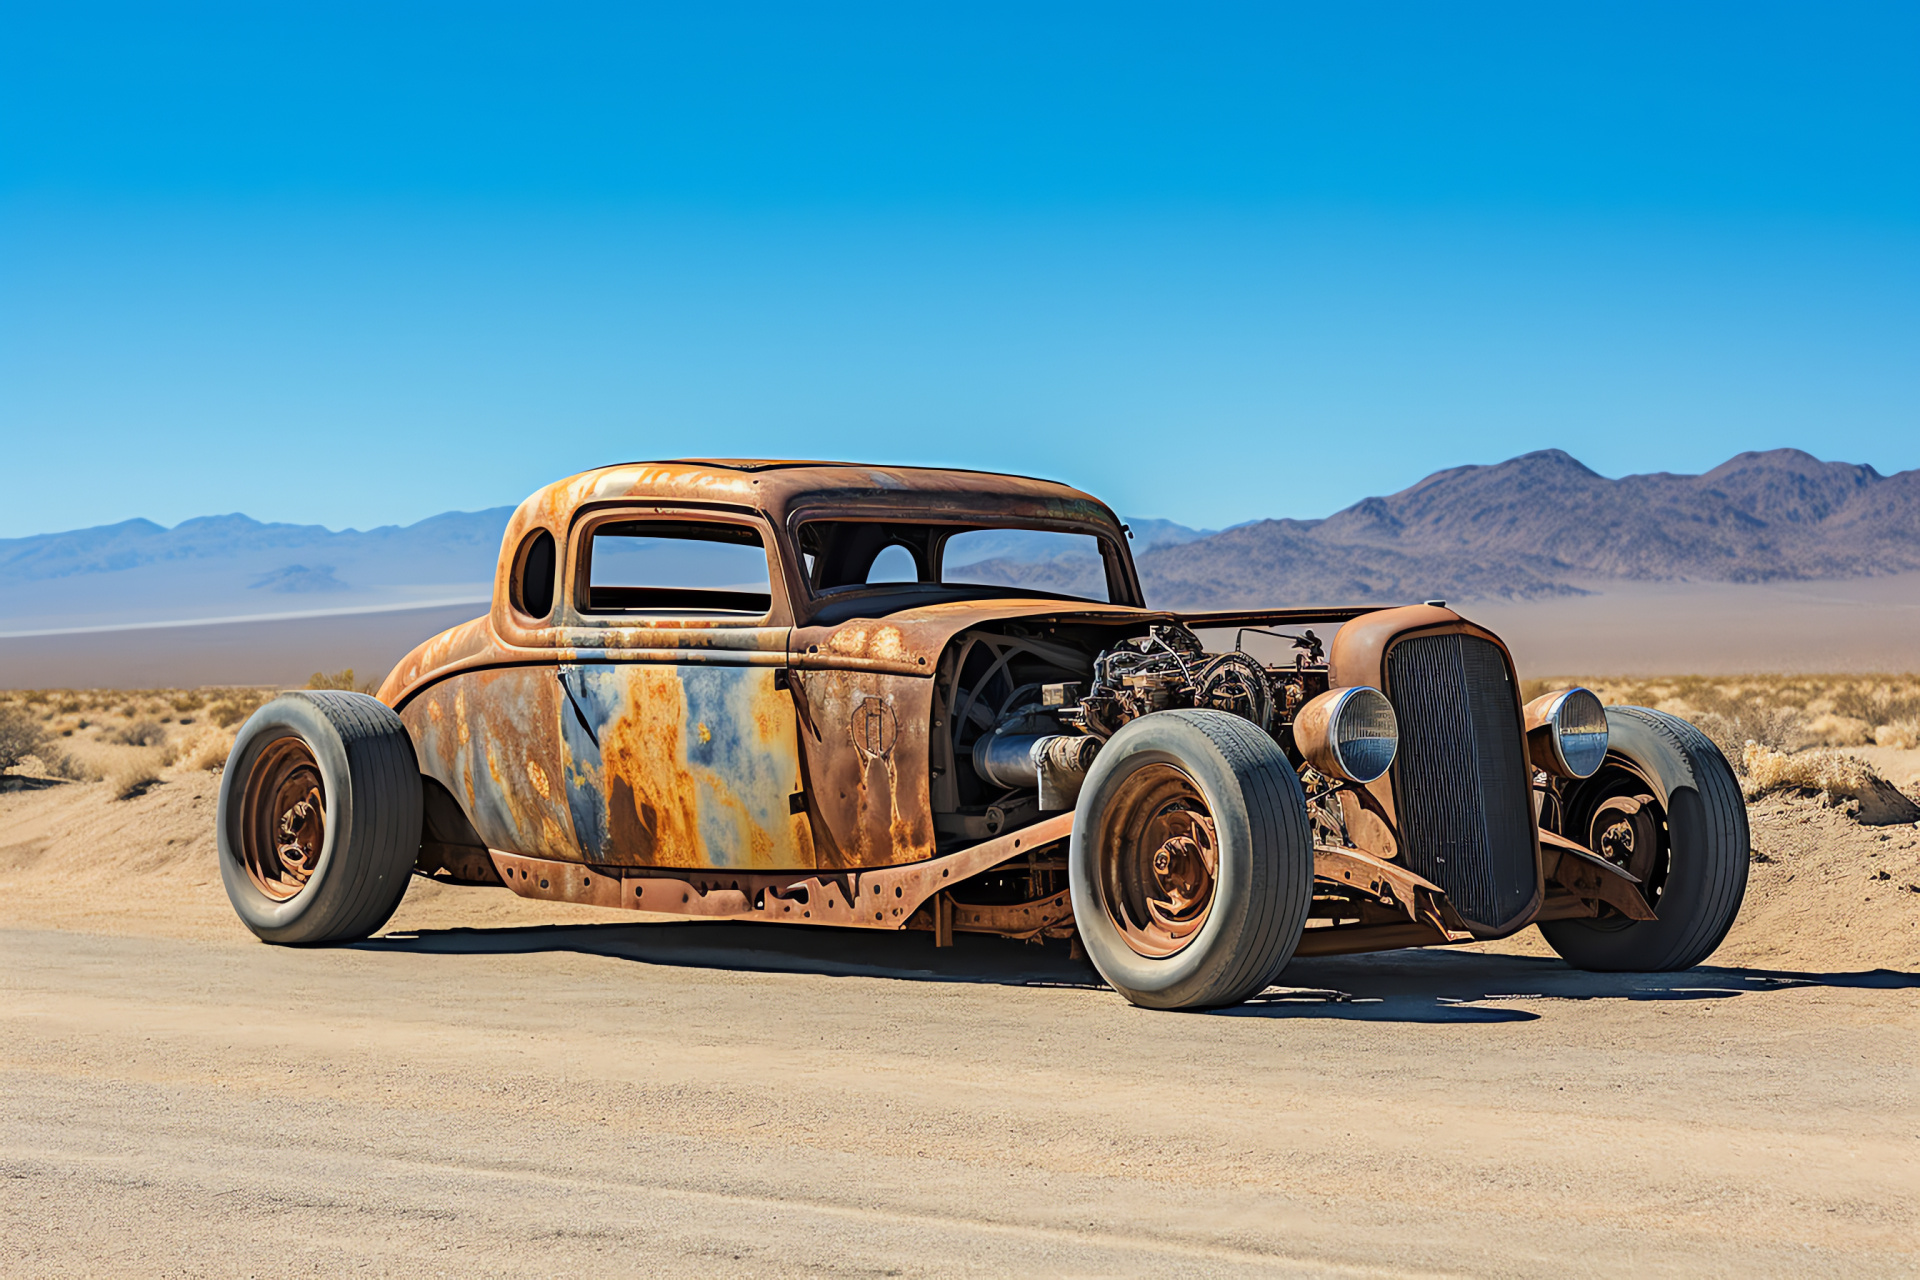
{"x": 1539, "y": 525}
{"x": 1543, "y": 524}
{"x": 137, "y": 571}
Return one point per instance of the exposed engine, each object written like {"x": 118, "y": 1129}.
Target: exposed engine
{"x": 1029, "y": 712}
{"x": 1168, "y": 667}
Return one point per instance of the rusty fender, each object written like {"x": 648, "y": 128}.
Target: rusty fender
{"x": 1361, "y": 874}
{"x": 1396, "y": 907}
{"x": 1584, "y": 881}
{"x": 877, "y": 898}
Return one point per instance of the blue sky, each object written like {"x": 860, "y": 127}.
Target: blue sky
{"x": 358, "y": 265}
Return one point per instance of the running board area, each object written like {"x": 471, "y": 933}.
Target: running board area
{"x": 872, "y": 898}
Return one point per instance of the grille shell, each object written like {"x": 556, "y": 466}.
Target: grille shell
{"x": 1461, "y": 781}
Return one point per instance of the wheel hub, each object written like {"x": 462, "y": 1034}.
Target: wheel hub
{"x": 302, "y": 827}
{"x": 1183, "y": 872}
{"x": 1622, "y": 831}
{"x": 1159, "y": 861}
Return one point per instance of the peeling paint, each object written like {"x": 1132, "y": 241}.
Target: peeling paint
{"x": 683, "y": 766}
{"x": 489, "y": 738}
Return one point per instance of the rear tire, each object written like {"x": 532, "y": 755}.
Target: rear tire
{"x": 319, "y": 818}
{"x": 1696, "y": 874}
{"x": 1191, "y": 865}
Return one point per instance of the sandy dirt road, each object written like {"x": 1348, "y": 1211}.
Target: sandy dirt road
{"x": 608, "y": 1095}
{"x": 713, "y": 1099}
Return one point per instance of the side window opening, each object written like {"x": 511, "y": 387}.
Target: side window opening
{"x": 532, "y": 584}
{"x": 639, "y": 566}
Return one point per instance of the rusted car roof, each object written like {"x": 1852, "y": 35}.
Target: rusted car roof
{"x": 773, "y": 484}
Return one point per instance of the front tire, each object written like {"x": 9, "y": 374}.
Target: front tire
{"x": 319, "y": 818}
{"x": 1665, "y": 805}
{"x": 1191, "y": 865}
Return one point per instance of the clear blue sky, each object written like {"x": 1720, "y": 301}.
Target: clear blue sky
{"x": 359, "y": 264}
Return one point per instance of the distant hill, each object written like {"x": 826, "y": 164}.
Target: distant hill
{"x": 1757, "y": 517}
{"x": 1540, "y": 525}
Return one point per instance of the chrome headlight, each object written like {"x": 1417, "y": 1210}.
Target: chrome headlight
{"x": 1567, "y": 733}
{"x": 1348, "y": 733}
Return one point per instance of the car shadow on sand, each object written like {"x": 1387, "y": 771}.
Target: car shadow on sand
{"x": 1435, "y": 985}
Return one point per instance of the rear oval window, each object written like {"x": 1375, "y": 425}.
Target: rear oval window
{"x": 533, "y": 578}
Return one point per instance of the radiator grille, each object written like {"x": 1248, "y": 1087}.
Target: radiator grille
{"x": 1461, "y": 778}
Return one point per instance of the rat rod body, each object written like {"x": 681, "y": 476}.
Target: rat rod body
{"x": 700, "y": 691}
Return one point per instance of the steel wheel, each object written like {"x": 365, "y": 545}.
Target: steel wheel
{"x": 283, "y": 822}
{"x": 320, "y": 817}
{"x": 1191, "y": 863}
{"x": 1665, "y": 807}
{"x": 1159, "y": 861}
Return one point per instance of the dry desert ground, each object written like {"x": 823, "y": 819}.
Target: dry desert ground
{"x": 503, "y": 1087}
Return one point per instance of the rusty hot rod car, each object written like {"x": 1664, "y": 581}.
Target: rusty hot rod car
{"x": 814, "y": 693}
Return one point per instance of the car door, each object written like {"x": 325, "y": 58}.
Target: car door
{"x": 676, "y": 723}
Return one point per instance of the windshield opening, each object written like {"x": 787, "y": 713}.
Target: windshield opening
{"x": 876, "y": 555}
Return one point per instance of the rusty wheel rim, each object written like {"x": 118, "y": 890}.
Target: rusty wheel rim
{"x": 1159, "y": 861}
{"x": 283, "y": 818}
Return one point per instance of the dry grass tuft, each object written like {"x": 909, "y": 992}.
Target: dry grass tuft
{"x": 1901, "y": 735}
{"x": 1830, "y": 774}
{"x": 1881, "y": 701}
{"x": 21, "y": 735}
{"x": 236, "y": 705}
{"x": 133, "y": 778}
{"x": 141, "y": 733}
{"x": 341, "y": 679}
{"x": 1768, "y": 771}
{"x": 59, "y": 763}
{"x": 209, "y": 751}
